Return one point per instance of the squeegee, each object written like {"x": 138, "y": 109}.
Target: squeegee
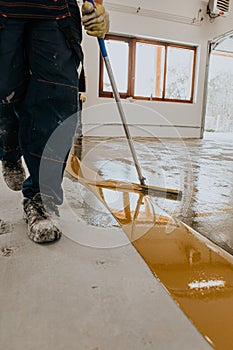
{"x": 144, "y": 187}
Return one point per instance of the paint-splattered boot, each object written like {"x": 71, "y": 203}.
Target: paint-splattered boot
{"x": 39, "y": 215}
{"x": 13, "y": 174}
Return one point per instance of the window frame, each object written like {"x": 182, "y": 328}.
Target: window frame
{"x": 132, "y": 41}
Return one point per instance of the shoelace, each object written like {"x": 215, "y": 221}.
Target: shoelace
{"x": 36, "y": 206}
{"x": 51, "y": 207}
{"x": 13, "y": 166}
{"x": 45, "y": 204}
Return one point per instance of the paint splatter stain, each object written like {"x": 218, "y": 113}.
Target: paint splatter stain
{"x": 100, "y": 262}
{"x": 5, "y": 227}
{"x": 7, "y": 251}
{"x": 94, "y": 287}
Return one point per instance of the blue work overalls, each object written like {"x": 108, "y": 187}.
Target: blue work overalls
{"x": 39, "y": 89}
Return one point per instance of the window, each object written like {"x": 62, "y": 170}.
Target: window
{"x": 149, "y": 70}
{"x": 118, "y": 49}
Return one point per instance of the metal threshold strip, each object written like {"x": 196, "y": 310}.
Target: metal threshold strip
{"x": 195, "y": 272}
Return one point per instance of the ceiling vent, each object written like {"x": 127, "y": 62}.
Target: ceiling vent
{"x": 218, "y": 8}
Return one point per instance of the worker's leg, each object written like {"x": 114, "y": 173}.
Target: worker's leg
{"x": 13, "y": 83}
{"x": 50, "y": 108}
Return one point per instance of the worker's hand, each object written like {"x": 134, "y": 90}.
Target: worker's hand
{"x": 95, "y": 19}
{"x": 82, "y": 98}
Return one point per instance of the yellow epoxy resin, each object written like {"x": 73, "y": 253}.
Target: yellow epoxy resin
{"x": 196, "y": 276}
{"x": 196, "y": 273}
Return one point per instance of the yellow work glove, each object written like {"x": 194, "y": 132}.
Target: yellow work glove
{"x": 95, "y": 19}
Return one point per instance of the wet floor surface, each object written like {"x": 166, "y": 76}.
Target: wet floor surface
{"x": 201, "y": 169}
{"x": 195, "y": 273}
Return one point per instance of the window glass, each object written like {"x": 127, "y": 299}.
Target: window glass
{"x": 179, "y": 73}
{"x": 149, "y": 70}
{"x": 118, "y": 52}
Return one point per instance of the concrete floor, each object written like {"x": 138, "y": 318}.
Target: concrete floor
{"x": 91, "y": 290}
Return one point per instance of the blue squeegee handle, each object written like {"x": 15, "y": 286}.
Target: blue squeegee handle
{"x": 119, "y": 106}
{"x": 102, "y": 47}
{"x": 100, "y": 40}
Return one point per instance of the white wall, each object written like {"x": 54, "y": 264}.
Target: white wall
{"x": 100, "y": 116}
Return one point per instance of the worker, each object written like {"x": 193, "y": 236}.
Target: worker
{"x": 40, "y": 75}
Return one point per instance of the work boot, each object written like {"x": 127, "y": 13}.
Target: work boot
{"x": 39, "y": 216}
{"x": 13, "y": 174}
